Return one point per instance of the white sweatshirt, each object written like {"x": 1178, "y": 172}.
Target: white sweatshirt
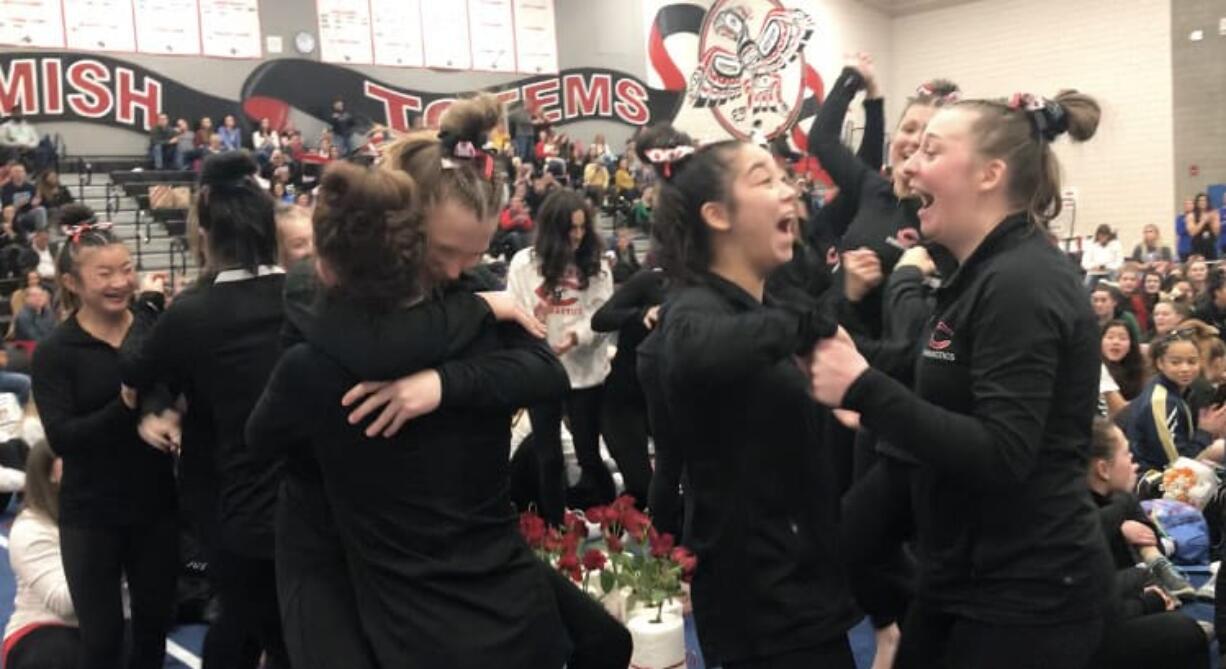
{"x": 567, "y": 309}
{"x": 42, "y": 588}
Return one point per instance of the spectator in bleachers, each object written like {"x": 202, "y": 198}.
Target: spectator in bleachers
{"x": 13, "y": 382}
{"x": 36, "y": 319}
{"x": 231, "y": 135}
{"x": 17, "y": 136}
{"x": 185, "y": 145}
{"x": 595, "y": 179}
{"x": 280, "y": 193}
{"x": 1151, "y": 252}
{"x": 162, "y": 142}
{"x": 22, "y": 194}
{"x": 1182, "y": 236}
{"x": 514, "y": 227}
{"x": 42, "y": 633}
{"x": 1204, "y": 227}
{"x": 641, "y": 213}
{"x": 343, "y": 124}
{"x": 18, "y": 299}
{"x": 53, "y": 195}
{"x": 215, "y": 145}
{"x": 1197, "y": 274}
{"x": 1103, "y": 256}
{"x": 295, "y": 149}
{"x": 295, "y": 237}
{"x": 304, "y": 200}
{"x": 204, "y": 132}
{"x": 42, "y": 254}
{"x": 265, "y": 140}
{"x": 1147, "y": 632}
{"x": 623, "y": 181}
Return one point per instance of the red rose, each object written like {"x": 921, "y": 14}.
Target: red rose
{"x": 593, "y": 559}
{"x": 661, "y": 544}
{"x": 623, "y": 503}
{"x": 553, "y": 541}
{"x": 570, "y": 542}
{"x": 532, "y": 527}
{"x": 571, "y": 522}
{"x": 636, "y": 522}
{"x": 600, "y": 515}
{"x": 686, "y": 560}
{"x": 613, "y": 542}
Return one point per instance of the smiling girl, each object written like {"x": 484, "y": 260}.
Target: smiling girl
{"x": 1004, "y": 395}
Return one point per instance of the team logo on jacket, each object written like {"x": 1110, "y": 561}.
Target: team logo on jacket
{"x": 942, "y": 337}
{"x": 751, "y": 65}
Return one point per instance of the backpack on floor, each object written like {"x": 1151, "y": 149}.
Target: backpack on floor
{"x": 1185, "y": 525}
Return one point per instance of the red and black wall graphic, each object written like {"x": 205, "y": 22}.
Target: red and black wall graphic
{"x": 57, "y": 86}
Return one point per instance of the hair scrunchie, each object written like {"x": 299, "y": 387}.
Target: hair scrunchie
{"x": 1047, "y": 117}
{"x": 666, "y": 159}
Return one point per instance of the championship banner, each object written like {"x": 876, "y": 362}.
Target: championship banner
{"x": 100, "y": 89}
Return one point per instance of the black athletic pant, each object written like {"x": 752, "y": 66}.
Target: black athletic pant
{"x": 830, "y": 655}
{"x": 49, "y": 647}
{"x": 247, "y": 588}
{"x": 623, "y": 423}
{"x": 599, "y": 640}
{"x": 932, "y": 639}
{"x": 876, "y": 524}
{"x": 95, "y": 562}
{"x": 319, "y": 612}
{"x": 1168, "y": 640}
{"x": 582, "y": 407}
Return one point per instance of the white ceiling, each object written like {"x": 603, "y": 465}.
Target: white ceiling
{"x": 900, "y": 7}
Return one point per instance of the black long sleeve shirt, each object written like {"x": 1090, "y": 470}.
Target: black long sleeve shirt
{"x": 425, "y": 517}
{"x": 217, "y": 345}
{"x": 623, "y": 314}
{"x": 1005, "y": 393}
{"x": 111, "y": 476}
{"x": 879, "y": 214}
{"x": 762, "y": 509}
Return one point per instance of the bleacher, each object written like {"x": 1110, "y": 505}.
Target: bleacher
{"x": 117, "y": 188}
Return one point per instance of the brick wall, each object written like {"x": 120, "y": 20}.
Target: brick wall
{"x": 1199, "y": 83}
{"x": 1118, "y": 51}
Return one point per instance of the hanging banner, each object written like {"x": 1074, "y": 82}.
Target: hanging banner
{"x": 397, "y": 33}
{"x": 167, "y": 27}
{"x": 536, "y": 39}
{"x": 231, "y": 28}
{"x": 99, "y": 25}
{"x": 448, "y": 45}
{"x": 344, "y": 32}
{"x": 32, "y": 23}
{"x": 492, "y": 31}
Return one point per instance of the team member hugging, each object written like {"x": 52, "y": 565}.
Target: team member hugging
{"x": 1012, "y": 567}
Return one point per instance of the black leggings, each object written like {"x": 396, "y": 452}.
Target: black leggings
{"x": 1169, "y": 640}
{"x": 49, "y": 647}
{"x": 623, "y": 422}
{"x": 319, "y": 610}
{"x": 876, "y": 523}
{"x": 95, "y": 562}
{"x": 834, "y": 654}
{"x": 247, "y": 588}
{"x": 582, "y": 406}
{"x": 933, "y": 639}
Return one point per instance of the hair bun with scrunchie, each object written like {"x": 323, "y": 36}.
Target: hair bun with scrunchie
{"x": 1046, "y": 116}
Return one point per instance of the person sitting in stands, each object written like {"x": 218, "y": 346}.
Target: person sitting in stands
{"x": 1146, "y": 631}
{"x": 36, "y": 319}
{"x": 22, "y": 194}
{"x": 42, "y": 633}
{"x": 162, "y": 142}
{"x": 231, "y": 135}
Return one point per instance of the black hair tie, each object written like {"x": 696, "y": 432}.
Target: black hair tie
{"x": 1047, "y": 117}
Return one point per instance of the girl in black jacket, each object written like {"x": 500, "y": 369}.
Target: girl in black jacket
{"x": 883, "y": 207}
{"x": 117, "y": 500}
{"x": 217, "y": 345}
{"x": 1013, "y": 570}
{"x": 767, "y": 591}
{"x": 431, "y": 540}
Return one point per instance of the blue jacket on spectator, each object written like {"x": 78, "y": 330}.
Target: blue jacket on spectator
{"x": 1161, "y": 426}
{"x": 1184, "y": 240}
